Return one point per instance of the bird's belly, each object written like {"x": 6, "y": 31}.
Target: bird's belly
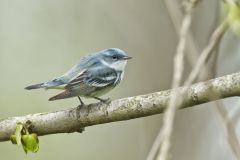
{"x": 99, "y": 91}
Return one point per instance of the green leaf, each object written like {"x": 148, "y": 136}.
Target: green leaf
{"x": 30, "y": 142}
{"x": 25, "y": 149}
{"x": 22, "y": 136}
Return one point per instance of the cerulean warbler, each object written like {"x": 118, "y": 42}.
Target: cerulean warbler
{"x": 93, "y": 76}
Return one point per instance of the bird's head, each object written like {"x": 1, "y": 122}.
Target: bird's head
{"x": 115, "y": 58}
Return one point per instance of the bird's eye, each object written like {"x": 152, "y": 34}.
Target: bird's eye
{"x": 114, "y": 57}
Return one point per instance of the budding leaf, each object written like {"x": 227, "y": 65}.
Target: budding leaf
{"x": 232, "y": 14}
{"x": 30, "y": 143}
{"x": 22, "y": 136}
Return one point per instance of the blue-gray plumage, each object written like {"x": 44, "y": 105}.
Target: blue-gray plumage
{"x": 93, "y": 76}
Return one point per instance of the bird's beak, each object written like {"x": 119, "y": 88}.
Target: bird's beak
{"x": 127, "y": 58}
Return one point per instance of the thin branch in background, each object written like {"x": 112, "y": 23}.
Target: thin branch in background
{"x": 216, "y": 37}
{"x": 175, "y": 101}
{"x": 212, "y": 60}
{"x": 214, "y": 45}
{"x": 168, "y": 117}
{"x": 192, "y": 47}
{"x": 214, "y": 41}
{"x": 229, "y": 129}
{"x": 227, "y": 122}
{"x": 236, "y": 115}
{"x": 164, "y": 135}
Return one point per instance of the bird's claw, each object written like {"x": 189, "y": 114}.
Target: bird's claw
{"x": 106, "y": 101}
{"x": 80, "y": 130}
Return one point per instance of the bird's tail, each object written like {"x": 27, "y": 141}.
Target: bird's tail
{"x": 63, "y": 95}
{"x": 36, "y": 86}
{"x": 50, "y": 84}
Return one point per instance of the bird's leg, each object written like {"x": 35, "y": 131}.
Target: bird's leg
{"x": 80, "y": 130}
{"x": 79, "y": 107}
{"x": 80, "y": 101}
{"x": 107, "y": 101}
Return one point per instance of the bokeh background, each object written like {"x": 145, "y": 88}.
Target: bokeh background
{"x": 42, "y": 39}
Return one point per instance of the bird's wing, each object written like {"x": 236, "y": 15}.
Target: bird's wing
{"x": 97, "y": 77}
{"x": 84, "y": 63}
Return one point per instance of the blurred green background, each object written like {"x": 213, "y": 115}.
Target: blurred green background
{"x": 42, "y": 39}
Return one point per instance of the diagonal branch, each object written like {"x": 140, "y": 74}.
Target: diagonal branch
{"x": 229, "y": 128}
{"x": 72, "y": 120}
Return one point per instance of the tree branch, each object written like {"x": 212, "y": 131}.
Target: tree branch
{"x": 73, "y": 120}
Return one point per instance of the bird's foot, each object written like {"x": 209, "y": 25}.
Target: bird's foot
{"x": 79, "y": 107}
{"x": 81, "y": 102}
{"x": 106, "y": 101}
{"x": 80, "y": 130}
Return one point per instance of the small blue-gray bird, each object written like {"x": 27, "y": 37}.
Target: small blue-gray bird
{"x": 93, "y": 76}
